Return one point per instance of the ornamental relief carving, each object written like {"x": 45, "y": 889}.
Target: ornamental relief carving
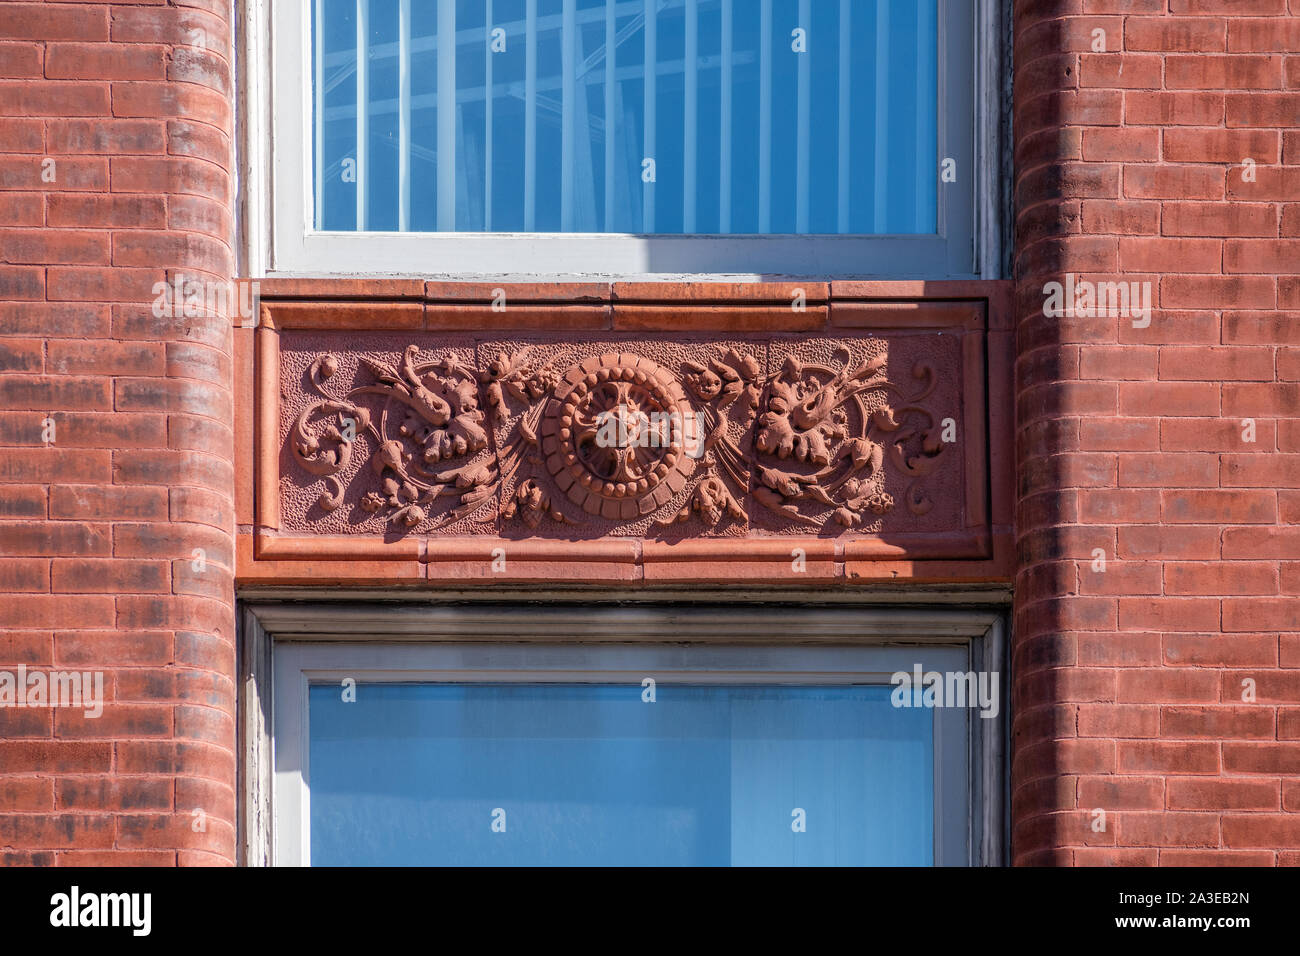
{"x": 540, "y": 439}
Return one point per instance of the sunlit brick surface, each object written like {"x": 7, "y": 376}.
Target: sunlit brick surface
{"x": 1159, "y": 463}
{"x": 116, "y": 431}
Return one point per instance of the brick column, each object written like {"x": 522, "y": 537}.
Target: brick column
{"x": 1158, "y": 465}
{"x": 116, "y": 473}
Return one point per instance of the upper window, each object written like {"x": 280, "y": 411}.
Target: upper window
{"x": 772, "y": 137}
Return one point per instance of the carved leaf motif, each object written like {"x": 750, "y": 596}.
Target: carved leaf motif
{"x": 819, "y": 419}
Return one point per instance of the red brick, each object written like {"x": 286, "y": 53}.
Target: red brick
{"x": 103, "y": 285}
{"x": 1231, "y": 793}
{"x": 1236, "y": 8}
{"x": 21, "y": 355}
{"x": 1166, "y": 469}
{"x": 173, "y": 175}
{"x": 1218, "y": 506}
{"x": 1260, "y": 255}
{"x": 1215, "y": 434}
{"x": 1100, "y": 216}
{"x": 1261, "y": 471}
{"x": 1119, "y": 71}
{"x": 181, "y": 100}
{"x": 54, "y": 464}
{"x": 1218, "y": 219}
{"x": 24, "y": 575}
{"x": 1151, "y": 254}
{"x": 54, "y": 319}
{"x": 26, "y": 794}
{"x": 1262, "y": 35}
{"x": 1201, "y": 71}
{"x": 20, "y": 59}
{"x": 1175, "y": 35}
{"x": 50, "y": 831}
{"x": 23, "y": 501}
{"x": 1232, "y": 292}
{"x": 1119, "y": 434}
{"x": 54, "y": 246}
{"x": 64, "y": 209}
{"x": 1173, "y": 182}
{"x": 1220, "y": 650}
{"x": 1250, "y": 401}
{"x": 115, "y": 793}
{"x": 1191, "y": 364}
{"x": 1164, "y": 684}
{"x": 1118, "y": 720}
{"x": 1266, "y": 830}
{"x": 170, "y": 25}
{"x": 1267, "y": 183}
{"x": 107, "y": 502}
{"x": 100, "y": 135}
{"x": 1184, "y": 108}
{"x": 52, "y": 98}
{"x": 104, "y": 61}
{"x": 1119, "y": 506}
{"x": 1169, "y": 613}
{"x": 106, "y": 358}
{"x": 112, "y": 648}
{"x": 1167, "y": 756}
{"x": 1231, "y": 146}
{"x": 1169, "y": 398}
{"x": 1164, "y": 828}
{"x": 1261, "y": 614}
{"x": 21, "y": 135}
{"x": 109, "y": 575}
{"x": 1268, "y": 110}
{"x": 22, "y": 209}
{"x": 140, "y": 248}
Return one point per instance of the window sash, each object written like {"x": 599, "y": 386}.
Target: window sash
{"x": 297, "y": 248}
{"x": 299, "y": 665}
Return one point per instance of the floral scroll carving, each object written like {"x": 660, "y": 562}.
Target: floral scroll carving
{"x": 549, "y": 439}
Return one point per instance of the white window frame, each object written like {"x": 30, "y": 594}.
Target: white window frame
{"x": 276, "y": 207}
{"x": 299, "y": 666}
{"x": 287, "y": 645}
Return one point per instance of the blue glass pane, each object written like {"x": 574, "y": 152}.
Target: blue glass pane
{"x": 590, "y": 774}
{"x": 754, "y": 116}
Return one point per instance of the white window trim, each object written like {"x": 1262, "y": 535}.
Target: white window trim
{"x": 276, "y": 194}
{"x": 298, "y": 666}
{"x": 285, "y": 643}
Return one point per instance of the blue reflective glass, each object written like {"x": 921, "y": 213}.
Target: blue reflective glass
{"x": 591, "y": 774}
{"x": 758, "y": 116}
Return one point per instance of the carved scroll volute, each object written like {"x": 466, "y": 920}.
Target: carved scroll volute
{"x": 618, "y": 436}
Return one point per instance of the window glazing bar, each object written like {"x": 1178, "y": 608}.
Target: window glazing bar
{"x": 690, "y": 112}
{"x": 404, "y": 116}
{"x": 447, "y": 115}
{"x": 765, "y": 118}
{"x": 844, "y": 183}
{"x": 568, "y": 105}
{"x": 363, "y": 96}
{"x": 724, "y": 122}
{"x": 880, "y": 206}
{"x": 530, "y": 115}
{"x": 651, "y": 78}
{"x": 488, "y": 101}
{"x": 611, "y": 122}
{"x": 802, "y": 115}
{"x": 318, "y": 212}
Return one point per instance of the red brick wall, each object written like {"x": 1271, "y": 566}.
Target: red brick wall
{"x": 1129, "y": 689}
{"x": 126, "y": 110}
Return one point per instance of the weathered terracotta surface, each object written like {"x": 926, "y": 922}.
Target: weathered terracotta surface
{"x": 381, "y": 442}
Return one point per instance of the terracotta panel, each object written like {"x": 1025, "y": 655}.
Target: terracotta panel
{"x": 498, "y": 442}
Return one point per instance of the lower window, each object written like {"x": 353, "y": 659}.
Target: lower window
{"x": 609, "y": 755}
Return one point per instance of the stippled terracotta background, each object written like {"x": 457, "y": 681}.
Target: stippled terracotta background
{"x": 908, "y": 351}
